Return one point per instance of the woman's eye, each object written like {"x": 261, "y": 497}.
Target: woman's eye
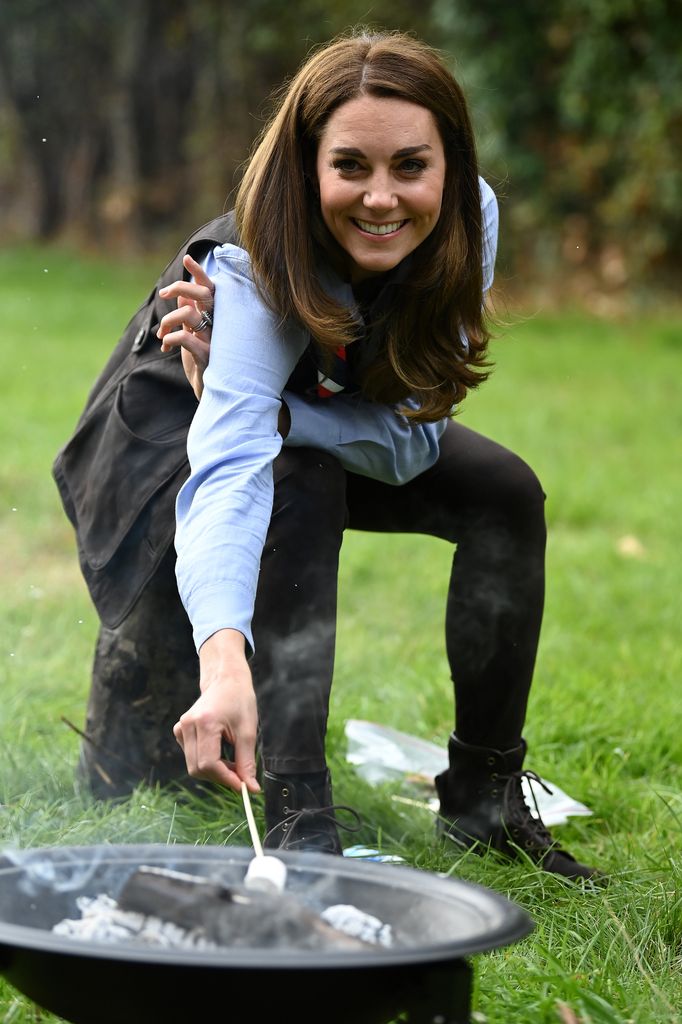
{"x": 346, "y": 166}
{"x": 412, "y": 166}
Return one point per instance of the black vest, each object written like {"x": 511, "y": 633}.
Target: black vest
{"x": 119, "y": 473}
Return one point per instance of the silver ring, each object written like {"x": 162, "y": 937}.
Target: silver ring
{"x": 206, "y": 321}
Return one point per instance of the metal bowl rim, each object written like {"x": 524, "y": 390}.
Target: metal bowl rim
{"x": 517, "y": 923}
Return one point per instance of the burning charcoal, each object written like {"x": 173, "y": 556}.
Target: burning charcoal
{"x": 102, "y": 920}
{"x": 236, "y": 916}
{"x": 349, "y": 919}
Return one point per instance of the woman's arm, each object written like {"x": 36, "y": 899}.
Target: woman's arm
{"x": 370, "y": 439}
{"x": 223, "y": 510}
{"x": 222, "y": 515}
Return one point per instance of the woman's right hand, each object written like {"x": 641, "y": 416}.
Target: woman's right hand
{"x": 178, "y": 328}
{"x": 226, "y": 710}
{"x": 195, "y": 298}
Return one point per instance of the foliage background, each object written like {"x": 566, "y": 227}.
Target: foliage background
{"x": 124, "y": 123}
{"x": 122, "y": 126}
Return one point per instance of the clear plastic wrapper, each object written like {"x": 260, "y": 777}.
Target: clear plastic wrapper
{"x": 382, "y": 754}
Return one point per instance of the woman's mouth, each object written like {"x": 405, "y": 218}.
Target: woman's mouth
{"x": 369, "y": 228}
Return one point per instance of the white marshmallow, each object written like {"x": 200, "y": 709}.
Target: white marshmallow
{"x": 266, "y": 873}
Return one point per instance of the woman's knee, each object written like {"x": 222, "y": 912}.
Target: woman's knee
{"x": 516, "y": 500}
{"x": 518, "y": 487}
{"x": 481, "y": 473}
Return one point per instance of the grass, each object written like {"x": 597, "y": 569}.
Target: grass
{"x": 596, "y": 408}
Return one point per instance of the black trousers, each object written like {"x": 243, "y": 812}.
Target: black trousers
{"x": 479, "y": 497}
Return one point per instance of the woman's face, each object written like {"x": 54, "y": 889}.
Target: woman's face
{"x": 381, "y": 171}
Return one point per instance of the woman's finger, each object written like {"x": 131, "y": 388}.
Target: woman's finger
{"x": 203, "y": 294}
{"x": 185, "y": 736}
{"x": 186, "y": 318}
{"x": 198, "y": 272}
{"x": 202, "y": 750}
{"x": 199, "y": 290}
{"x": 199, "y": 348}
{"x": 199, "y": 321}
{"x": 174, "y": 320}
{"x": 210, "y": 764}
{"x": 231, "y": 779}
{"x": 245, "y": 764}
{"x": 177, "y": 732}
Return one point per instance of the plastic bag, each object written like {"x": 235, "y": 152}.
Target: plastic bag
{"x": 382, "y": 754}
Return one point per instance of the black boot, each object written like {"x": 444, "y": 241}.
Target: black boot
{"x": 482, "y": 801}
{"x": 299, "y": 813}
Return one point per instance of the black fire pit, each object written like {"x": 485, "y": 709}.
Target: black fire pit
{"x": 422, "y": 978}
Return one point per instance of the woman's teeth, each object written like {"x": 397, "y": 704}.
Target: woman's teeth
{"x": 379, "y": 229}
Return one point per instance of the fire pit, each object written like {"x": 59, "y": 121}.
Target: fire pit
{"x": 423, "y": 978}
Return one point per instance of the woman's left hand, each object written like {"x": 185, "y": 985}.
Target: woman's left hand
{"x": 179, "y": 327}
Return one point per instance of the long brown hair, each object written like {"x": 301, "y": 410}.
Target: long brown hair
{"x": 281, "y": 227}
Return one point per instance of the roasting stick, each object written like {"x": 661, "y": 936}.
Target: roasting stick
{"x": 255, "y": 838}
{"x": 264, "y": 871}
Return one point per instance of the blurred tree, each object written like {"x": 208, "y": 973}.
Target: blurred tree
{"x": 42, "y": 83}
{"x": 579, "y": 104}
{"x": 126, "y": 120}
{"x": 126, "y": 117}
{"x": 97, "y": 96}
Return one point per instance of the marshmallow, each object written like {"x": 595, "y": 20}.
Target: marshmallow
{"x": 266, "y": 873}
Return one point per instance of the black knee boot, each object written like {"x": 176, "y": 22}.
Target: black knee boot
{"x": 482, "y": 802}
{"x": 299, "y": 813}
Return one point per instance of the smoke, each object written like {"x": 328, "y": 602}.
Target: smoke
{"x": 63, "y": 870}
{"x": 292, "y": 675}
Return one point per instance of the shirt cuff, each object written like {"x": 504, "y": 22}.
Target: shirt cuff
{"x": 220, "y": 606}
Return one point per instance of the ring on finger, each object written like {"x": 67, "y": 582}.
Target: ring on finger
{"x": 206, "y": 321}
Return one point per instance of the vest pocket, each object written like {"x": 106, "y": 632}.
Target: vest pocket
{"x": 112, "y": 473}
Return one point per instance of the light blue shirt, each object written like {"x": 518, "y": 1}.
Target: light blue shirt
{"x": 223, "y": 510}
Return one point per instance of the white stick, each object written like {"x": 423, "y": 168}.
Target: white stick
{"x": 255, "y": 839}
{"x": 264, "y": 872}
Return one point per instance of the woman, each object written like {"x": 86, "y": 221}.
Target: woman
{"x": 348, "y": 321}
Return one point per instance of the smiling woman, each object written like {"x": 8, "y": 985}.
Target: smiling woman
{"x": 380, "y": 202}
{"x": 339, "y": 317}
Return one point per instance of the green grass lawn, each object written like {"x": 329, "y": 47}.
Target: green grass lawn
{"x": 596, "y": 408}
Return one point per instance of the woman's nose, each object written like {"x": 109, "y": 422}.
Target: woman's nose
{"x": 379, "y": 195}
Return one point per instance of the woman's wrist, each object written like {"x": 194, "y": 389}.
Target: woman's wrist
{"x": 223, "y": 654}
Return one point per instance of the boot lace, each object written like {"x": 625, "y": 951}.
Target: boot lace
{"x": 314, "y": 819}
{"x": 517, "y": 814}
